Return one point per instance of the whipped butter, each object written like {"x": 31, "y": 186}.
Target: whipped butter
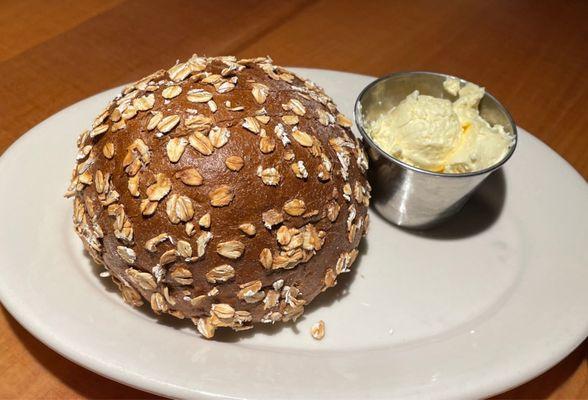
{"x": 439, "y": 135}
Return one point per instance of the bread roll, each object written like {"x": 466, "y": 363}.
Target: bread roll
{"x": 229, "y": 192}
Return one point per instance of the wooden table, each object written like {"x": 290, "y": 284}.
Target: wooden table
{"x": 531, "y": 55}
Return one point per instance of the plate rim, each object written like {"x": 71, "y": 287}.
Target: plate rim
{"x": 35, "y": 326}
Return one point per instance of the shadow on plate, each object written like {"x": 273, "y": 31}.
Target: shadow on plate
{"x": 478, "y": 214}
{"x": 325, "y": 299}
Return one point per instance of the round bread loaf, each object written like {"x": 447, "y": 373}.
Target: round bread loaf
{"x": 230, "y": 192}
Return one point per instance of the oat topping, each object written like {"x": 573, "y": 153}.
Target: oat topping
{"x": 168, "y": 297}
{"x": 221, "y": 273}
{"x": 330, "y": 279}
{"x": 281, "y": 134}
{"x": 260, "y": 92}
{"x": 230, "y": 107}
{"x": 201, "y": 143}
{"x": 108, "y": 150}
{"x": 234, "y": 163}
{"x": 159, "y": 189}
{"x": 151, "y": 244}
{"x": 351, "y": 216}
{"x": 270, "y": 176}
{"x": 175, "y": 148}
{"x": 126, "y": 254}
{"x": 132, "y": 185}
{"x": 99, "y": 130}
{"x": 205, "y": 328}
{"x": 225, "y": 87}
{"x": 173, "y": 159}
{"x": 182, "y": 275}
{"x": 271, "y": 300}
{"x": 264, "y": 119}
{"x": 283, "y": 235}
{"x": 122, "y": 227}
{"x": 199, "y": 123}
{"x": 277, "y": 285}
{"x": 117, "y": 126}
{"x": 295, "y": 106}
{"x": 179, "y": 72}
{"x": 290, "y": 119}
{"x": 333, "y": 209}
{"x": 189, "y": 176}
{"x": 202, "y": 242}
{"x": 171, "y": 91}
{"x": 347, "y": 191}
{"x": 144, "y": 103}
{"x": 248, "y": 229}
{"x": 303, "y": 138}
{"x": 148, "y": 207}
{"x": 318, "y": 330}
{"x": 154, "y": 120}
{"x": 190, "y": 229}
{"x": 295, "y": 207}
{"x": 299, "y": 169}
{"x": 138, "y": 156}
{"x": 221, "y": 196}
{"x": 272, "y": 218}
{"x": 83, "y": 152}
{"x": 212, "y": 79}
{"x": 344, "y": 121}
{"x": 267, "y": 144}
{"x": 168, "y": 123}
{"x": 219, "y": 136}
{"x": 204, "y": 221}
{"x": 265, "y": 258}
{"x": 99, "y": 182}
{"x": 144, "y": 280}
{"x": 199, "y": 96}
{"x": 158, "y": 303}
{"x": 324, "y": 117}
{"x": 251, "y": 292}
{"x": 184, "y": 249}
{"x": 115, "y": 115}
{"x": 223, "y": 312}
{"x": 179, "y": 208}
{"x": 168, "y": 257}
{"x": 252, "y": 125}
{"x": 232, "y": 249}
{"x": 289, "y": 155}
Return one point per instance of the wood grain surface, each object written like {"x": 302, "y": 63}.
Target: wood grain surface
{"x": 532, "y": 55}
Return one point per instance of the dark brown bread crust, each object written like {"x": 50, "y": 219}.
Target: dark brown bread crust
{"x": 131, "y": 185}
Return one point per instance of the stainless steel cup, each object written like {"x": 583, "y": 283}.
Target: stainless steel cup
{"x": 405, "y": 195}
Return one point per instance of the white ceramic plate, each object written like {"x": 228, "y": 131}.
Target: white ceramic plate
{"x": 492, "y": 299}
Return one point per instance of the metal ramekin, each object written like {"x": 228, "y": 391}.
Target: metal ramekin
{"x": 406, "y": 195}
